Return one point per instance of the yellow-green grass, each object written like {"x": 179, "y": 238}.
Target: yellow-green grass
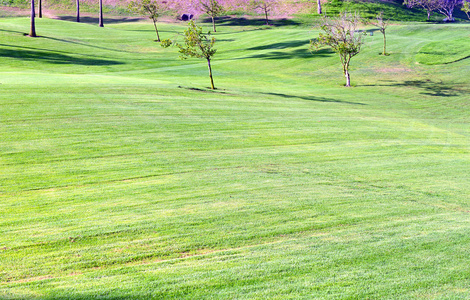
{"x": 124, "y": 177}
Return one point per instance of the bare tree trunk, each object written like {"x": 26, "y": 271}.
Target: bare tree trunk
{"x": 213, "y": 24}
{"x": 40, "y": 9}
{"x": 319, "y": 7}
{"x": 348, "y": 79}
{"x": 346, "y": 73}
{"x": 266, "y": 16}
{"x": 78, "y": 10}
{"x": 210, "y": 74}
{"x": 156, "y": 30}
{"x": 429, "y": 15}
{"x": 32, "y": 31}
{"x": 385, "y": 42}
{"x": 101, "y": 14}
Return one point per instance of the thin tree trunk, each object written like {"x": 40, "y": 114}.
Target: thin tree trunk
{"x": 78, "y": 10}
{"x": 429, "y": 15}
{"x": 210, "y": 74}
{"x": 385, "y": 42}
{"x": 319, "y": 7}
{"x": 266, "y": 16}
{"x": 348, "y": 79}
{"x": 346, "y": 72}
{"x": 101, "y": 14}
{"x": 213, "y": 24}
{"x": 40, "y": 9}
{"x": 32, "y": 31}
{"x": 156, "y": 30}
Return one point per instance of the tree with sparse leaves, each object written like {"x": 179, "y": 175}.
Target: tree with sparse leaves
{"x": 382, "y": 25}
{"x": 264, "y": 7}
{"x": 212, "y": 8}
{"x": 152, "y": 9}
{"x": 429, "y": 5}
{"x": 444, "y": 7}
{"x": 196, "y": 44}
{"x": 340, "y": 34}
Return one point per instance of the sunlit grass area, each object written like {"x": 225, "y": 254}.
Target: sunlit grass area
{"x": 123, "y": 176}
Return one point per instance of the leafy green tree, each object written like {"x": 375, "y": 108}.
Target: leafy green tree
{"x": 340, "y": 34}
{"x": 382, "y": 25}
{"x": 196, "y": 44}
{"x": 149, "y": 8}
{"x": 466, "y": 8}
{"x": 213, "y": 9}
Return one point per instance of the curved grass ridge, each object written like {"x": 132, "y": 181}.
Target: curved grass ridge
{"x": 438, "y": 52}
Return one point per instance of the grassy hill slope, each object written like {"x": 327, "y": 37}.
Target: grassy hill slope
{"x": 124, "y": 177}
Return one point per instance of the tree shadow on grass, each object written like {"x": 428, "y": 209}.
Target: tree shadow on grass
{"x": 13, "y": 31}
{"x": 429, "y": 87}
{"x": 83, "y": 44}
{"x": 297, "y": 53}
{"x": 53, "y": 57}
{"x": 206, "y": 90}
{"x": 283, "y": 45}
{"x": 95, "y": 20}
{"x": 242, "y": 21}
{"x": 313, "y": 98}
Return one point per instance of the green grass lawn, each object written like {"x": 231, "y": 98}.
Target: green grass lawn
{"x": 122, "y": 176}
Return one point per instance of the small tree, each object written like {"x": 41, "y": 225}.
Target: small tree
{"x": 340, "y": 34}
{"x": 466, "y": 8}
{"x": 149, "y": 8}
{"x": 382, "y": 25}
{"x": 196, "y": 44}
{"x": 444, "y": 7}
{"x": 429, "y": 5}
{"x": 213, "y": 9}
{"x": 263, "y": 6}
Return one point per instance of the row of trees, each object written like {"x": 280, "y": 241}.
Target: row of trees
{"x": 444, "y": 7}
{"x": 153, "y": 9}
{"x": 340, "y": 34}
{"x": 32, "y": 31}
